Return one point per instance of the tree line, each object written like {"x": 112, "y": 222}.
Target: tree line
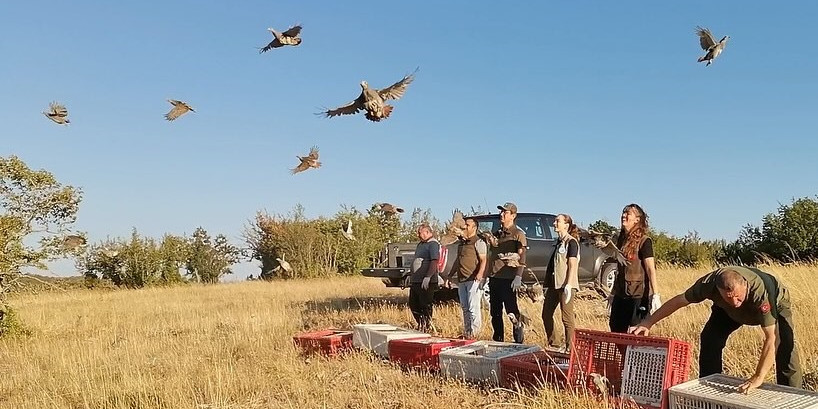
{"x": 38, "y": 212}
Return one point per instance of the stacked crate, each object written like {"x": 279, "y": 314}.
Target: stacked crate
{"x": 721, "y": 392}
{"x": 541, "y": 368}
{"x": 376, "y": 337}
{"x": 421, "y": 353}
{"x": 328, "y": 342}
{"x": 635, "y": 368}
{"x": 480, "y": 361}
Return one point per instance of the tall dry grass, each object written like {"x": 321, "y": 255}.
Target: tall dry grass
{"x": 229, "y": 346}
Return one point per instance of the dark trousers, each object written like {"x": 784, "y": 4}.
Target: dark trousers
{"x": 501, "y": 294}
{"x": 553, "y": 298}
{"x": 720, "y": 326}
{"x": 420, "y": 303}
{"x": 627, "y": 312}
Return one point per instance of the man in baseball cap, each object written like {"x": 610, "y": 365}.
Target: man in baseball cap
{"x": 511, "y": 207}
{"x": 506, "y": 279}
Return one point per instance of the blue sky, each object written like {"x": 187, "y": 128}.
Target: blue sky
{"x": 559, "y": 107}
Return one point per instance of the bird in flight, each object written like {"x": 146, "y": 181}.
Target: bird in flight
{"x": 373, "y": 101}
{"x": 307, "y": 162}
{"x": 348, "y": 231}
{"x": 73, "y": 241}
{"x": 709, "y": 44}
{"x": 289, "y": 37}
{"x": 57, "y": 113}
{"x": 387, "y": 208}
{"x": 179, "y": 108}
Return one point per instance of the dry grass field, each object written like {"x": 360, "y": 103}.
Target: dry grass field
{"x": 229, "y": 346}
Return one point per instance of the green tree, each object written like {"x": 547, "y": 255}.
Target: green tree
{"x": 790, "y": 234}
{"x": 603, "y": 227}
{"x": 208, "y": 259}
{"x": 37, "y": 211}
{"x": 135, "y": 262}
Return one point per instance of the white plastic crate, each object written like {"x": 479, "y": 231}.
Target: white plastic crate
{"x": 376, "y": 337}
{"x": 644, "y": 374}
{"x": 479, "y": 361}
{"x": 721, "y": 392}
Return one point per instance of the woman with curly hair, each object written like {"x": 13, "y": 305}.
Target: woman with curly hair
{"x": 634, "y": 294}
{"x": 561, "y": 281}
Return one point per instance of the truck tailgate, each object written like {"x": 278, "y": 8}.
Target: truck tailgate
{"x": 384, "y": 272}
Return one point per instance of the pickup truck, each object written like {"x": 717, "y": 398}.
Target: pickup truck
{"x": 595, "y": 267}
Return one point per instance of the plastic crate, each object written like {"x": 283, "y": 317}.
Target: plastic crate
{"x": 720, "y": 392}
{"x": 422, "y": 352}
{"x": 480, "y": 361}
{"x": 535, "y": 370}
{"x": 328, "y": 342}
{"x": 376, "y": 337}
{"x": 638, "y": 368}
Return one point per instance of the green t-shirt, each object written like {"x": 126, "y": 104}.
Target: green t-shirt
{"x": 756, "y": 308}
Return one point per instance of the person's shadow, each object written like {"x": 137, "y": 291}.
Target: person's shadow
{"x": 355, "y": 303}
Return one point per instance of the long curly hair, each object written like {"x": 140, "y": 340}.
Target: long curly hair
{"x": 631, "y": 239}
{"x": 573, "y": 230}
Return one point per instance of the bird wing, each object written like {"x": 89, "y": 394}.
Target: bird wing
{"x": 351, "y": 108}
{"x": 58, "y": 109}
{"x": 612, "y": 251}
{"x": 293, "y": 31}
{"x": 313, "y": 153}
{"x": 179, "y": 108}
{"x": 396, "y": 90}
{"x": 176, "y": 112}
{"x": 304, "y": 165}
{"x": 272, "y": 44}
{"x": 706, "y": 39}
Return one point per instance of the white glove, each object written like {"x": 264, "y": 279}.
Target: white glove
{"x": 567, "y": 292}
{"x": 425, "y": 284}
{"x": 655, "y": 303}
{"x": 517, "y": 283}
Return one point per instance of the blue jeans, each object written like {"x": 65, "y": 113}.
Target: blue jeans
{"x": 470, "y": 296}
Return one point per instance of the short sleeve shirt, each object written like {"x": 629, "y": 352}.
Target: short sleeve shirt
{"x": 481, "y": 247}
{"x": 426, "y": 253}
{"x": 756, "y": 308}
{"x": 508, "y": 241}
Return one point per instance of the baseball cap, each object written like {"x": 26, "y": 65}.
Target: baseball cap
{"x": 511, "y": 207}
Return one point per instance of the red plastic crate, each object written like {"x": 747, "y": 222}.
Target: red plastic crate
{"x": 535, "y": 370}
{"x": 328, "y": 342}
{"x": 603, "y": 353}
{"x": 422, "y": 352}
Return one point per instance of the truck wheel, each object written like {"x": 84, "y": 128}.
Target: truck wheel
{"x": 607, "y": 276}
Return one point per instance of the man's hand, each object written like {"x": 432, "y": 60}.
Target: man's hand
{"x": 517, "y": 283}
{"x": 482, "y": 284}
{"x": 750, "y": 384}
{"x": 566, "y": 294}
{"x": 425, "y": 284}
{"x": 609, "y": 303}
{"x": 639, "y": 330}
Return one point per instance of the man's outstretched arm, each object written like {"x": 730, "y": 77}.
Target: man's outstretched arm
{"x": 666, "y": 309}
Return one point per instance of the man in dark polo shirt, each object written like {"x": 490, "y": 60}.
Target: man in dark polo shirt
{"x": 741, "y": 296}
{"x": 506, "y": 280}
{"x": 424, "y": 278}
